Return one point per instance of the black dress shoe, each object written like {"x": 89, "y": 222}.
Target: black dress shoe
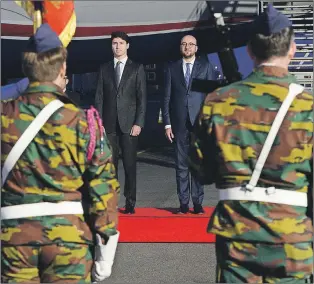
{"x": 198, "y": 209}
{"x": 184, "y": 209}
{"x": 129, "y": 209}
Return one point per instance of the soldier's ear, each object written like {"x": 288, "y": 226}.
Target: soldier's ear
{"x": 292, "y": 50}
{"x": 252, "y": 56}
{"x": 63, "y": 70}
{"x": 250, "y": 52}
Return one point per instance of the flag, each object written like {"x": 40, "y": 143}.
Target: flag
{"x": 60, "y": 15}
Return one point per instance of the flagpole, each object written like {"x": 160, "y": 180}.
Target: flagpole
{"x": 37, "y": 17}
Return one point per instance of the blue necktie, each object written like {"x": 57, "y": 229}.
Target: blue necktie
{"x": 187, "y": 74}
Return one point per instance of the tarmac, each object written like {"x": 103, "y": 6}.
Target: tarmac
{"x": 154, "y": 263}
{"x": 161, "y": 262}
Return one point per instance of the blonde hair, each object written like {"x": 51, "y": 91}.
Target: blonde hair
{"x": 45, "y": 66}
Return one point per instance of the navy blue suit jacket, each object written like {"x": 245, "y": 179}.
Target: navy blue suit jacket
{"x": 180, "y": 103}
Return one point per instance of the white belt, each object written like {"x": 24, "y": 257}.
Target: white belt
{"x": 262, "y": 194}
{"x": 41, "y": 209}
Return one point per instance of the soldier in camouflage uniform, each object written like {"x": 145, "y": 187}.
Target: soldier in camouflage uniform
{"x": 258, "y": 241}
{"x": 53, "y": 169}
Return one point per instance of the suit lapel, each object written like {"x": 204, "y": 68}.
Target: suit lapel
{"x": 126, "y": 73}
{"x": 112, "y": 72}
{"x": 181, "y": 74}
{"x": 195, "y": 71}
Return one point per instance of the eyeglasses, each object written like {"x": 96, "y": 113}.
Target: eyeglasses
{"x": 190, "y": 44}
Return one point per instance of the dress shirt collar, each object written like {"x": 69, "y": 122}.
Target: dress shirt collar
{"x": 191, "y": 62}
{"x": 123, "y": 61}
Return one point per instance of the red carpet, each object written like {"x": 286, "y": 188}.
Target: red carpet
{"x": 162, "y": 225}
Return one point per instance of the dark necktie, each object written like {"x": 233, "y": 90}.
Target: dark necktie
{"x": 118, "y": 72}
{"x": 187, "y": 74}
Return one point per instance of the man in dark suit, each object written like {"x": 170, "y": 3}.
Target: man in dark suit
{"x": 180, "y": 108}
{"x": 121, "y": 101}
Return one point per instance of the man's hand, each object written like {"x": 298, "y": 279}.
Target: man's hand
{"x": 169, "y": 134}
{"x": 136, "y": 130}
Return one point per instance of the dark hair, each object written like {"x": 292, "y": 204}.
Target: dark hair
{"x": 119, "y": 34}
{"x": 277, "y": 45}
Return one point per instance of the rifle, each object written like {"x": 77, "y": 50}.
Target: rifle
{"x": 226, "y": 56}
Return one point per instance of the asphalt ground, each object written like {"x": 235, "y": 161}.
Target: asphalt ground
{"x": 152, "y": 263}
{"x": 161, "y": 262}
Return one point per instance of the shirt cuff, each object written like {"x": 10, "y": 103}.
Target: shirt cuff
{"x": 167, "y": 126}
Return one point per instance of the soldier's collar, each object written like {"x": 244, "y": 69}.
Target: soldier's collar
{"x": 44, "y": 87}
{"x": 271, "y": 65}
{"x": 274, "y": 71}
{"x": 50, "y": 88}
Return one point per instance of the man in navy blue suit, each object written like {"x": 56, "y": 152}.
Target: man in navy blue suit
{"x": 180, "y": 107}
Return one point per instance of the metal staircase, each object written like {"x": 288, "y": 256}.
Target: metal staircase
{"x": 301, "y": 14}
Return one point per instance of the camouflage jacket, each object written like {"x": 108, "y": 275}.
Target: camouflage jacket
{"x": 229, "y": 135}
{"x": 54, "y": 168}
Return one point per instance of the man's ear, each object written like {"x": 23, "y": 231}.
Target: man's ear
{"x": 292, "y": 50}
{"x": 63, "y": 70}
{"x": 127, "y": 46}
{"x": 196, "y": 48}
{"x": 249, "y": 51}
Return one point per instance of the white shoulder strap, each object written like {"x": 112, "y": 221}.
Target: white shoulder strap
{"x": 27, "y": 137}
{"x": 294, "y": 90}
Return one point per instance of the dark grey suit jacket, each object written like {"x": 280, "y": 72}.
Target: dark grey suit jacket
{"x": 126, "y": 103}
{"x": 180, "y": 103}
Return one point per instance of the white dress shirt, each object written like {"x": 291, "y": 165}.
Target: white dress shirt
{"x": 122, "y": 64}
{"x": 184, "y": 72}
{"x": 184, "y": 66}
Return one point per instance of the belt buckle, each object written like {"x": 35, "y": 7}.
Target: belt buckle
{"x": 270, "y": 190}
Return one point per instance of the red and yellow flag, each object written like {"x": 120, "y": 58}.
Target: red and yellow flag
{"x": 60, "y": 15}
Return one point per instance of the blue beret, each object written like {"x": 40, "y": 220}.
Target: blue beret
{"x": 43, "y": 40}
{"x": 271, "y": 21}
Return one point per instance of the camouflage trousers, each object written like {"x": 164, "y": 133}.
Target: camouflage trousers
{"x": 57, "y": 263}
{"x": 240, "y": 262}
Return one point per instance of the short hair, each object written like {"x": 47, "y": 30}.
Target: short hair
{"x": 276, "y": 45}
{"x": 44, "y": 66}
{"x": 120, "y": 34}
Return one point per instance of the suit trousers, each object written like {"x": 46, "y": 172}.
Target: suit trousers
{"x": 128, "y": 146}
{"x": 185, "y": 183}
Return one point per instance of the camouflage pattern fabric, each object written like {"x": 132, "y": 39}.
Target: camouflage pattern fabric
{"x": 232, "y": 128}
{"x": 57, "y": 263}
{"x": 54, "y": 168}
{"x": 241, "y": 262}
